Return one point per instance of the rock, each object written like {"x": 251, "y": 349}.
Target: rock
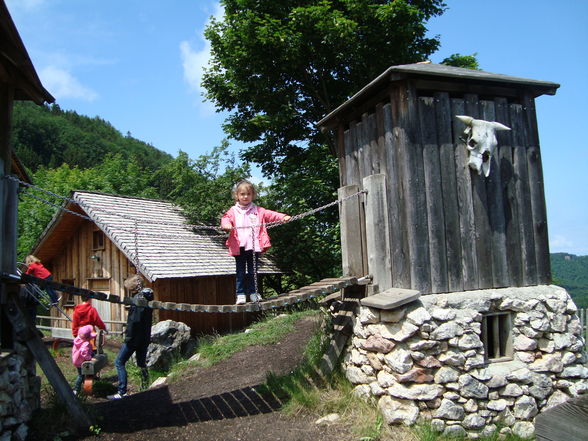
{"x": 449, "y": 411}
{"x": 443, "y": 314}
{"x": 512, "y": 390}
{"x": 377, "y": 343}
{"x": 549, "y": 363}
{"x": 368, "y": 315}
{"x": 446, "y": 331}
{"x": 454, "y": 431}
{"x": 398, "y": 411}
{"x": 524, "y": 429}
{"x": 446, "y": 375}
{"x": 418, "y": 316}
{"x": 417, "y": 375}
{"x": 327, "y": 419}
{"x": 393, "y": 316}
{"x": 474, "y": 421}
{"x": 158, "y": 382}
{"x": 386, "y": 379}
{"x": 399, "y": 361}
{"x": 356, "y": 376}
{"x": 421, "y": 392}
{"x": 577, "y": 371}
{"x": 525, "y": 408}
{"x": 524, "y": 343}
{"x": 472, "y": 388}
{"x": 169, "y": 340}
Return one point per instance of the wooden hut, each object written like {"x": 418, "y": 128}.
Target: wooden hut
{"x": 460, "y": 323}
{"x": 446, "y": 229}
{"x": 98, "y": 240}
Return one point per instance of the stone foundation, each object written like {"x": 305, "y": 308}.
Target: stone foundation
{"x": 19, "y": 392}
{"x": 426, "y": 359}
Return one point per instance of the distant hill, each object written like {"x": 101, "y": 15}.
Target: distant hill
{"x": 571, "y": 272}
{"x": 49, "y": 136}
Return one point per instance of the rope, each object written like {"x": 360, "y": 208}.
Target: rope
{"x": 155, "y": 222}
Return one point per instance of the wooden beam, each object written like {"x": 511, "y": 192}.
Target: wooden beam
{"x": 27, "y": 333}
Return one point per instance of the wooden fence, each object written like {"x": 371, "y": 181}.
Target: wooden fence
{"x": 583, "y": 314}
{"x": 60, "y": 327}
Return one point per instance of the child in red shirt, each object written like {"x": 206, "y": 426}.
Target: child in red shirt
{"x": 35, "y": 268}
{"x": 85, "y": 314}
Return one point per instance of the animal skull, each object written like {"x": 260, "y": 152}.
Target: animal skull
{"x": 480, "y": 142}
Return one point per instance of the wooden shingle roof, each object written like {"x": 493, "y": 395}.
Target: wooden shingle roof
{"x": 154, "y": 234}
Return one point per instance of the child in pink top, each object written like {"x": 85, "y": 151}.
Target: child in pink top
{"x": 248, "y": 237}
{"x": 82, "y": 351}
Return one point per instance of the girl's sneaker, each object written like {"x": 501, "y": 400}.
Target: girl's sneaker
{"x": 255, "y": 298}
{"x": 116, "y": 396}
{"x": 241, "y": 299}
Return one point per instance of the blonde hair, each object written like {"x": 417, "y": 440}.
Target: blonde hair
{"x": 244, "y": 183}
{"x": 30, "y": 259}
{"x": 134, "y": 283}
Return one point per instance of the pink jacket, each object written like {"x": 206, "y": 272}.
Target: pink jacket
{"x": 264, "y": 216}
{"x": 81, "y": 351}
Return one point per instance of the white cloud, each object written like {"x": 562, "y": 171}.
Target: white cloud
{"x": 61, "y": 84}
{"x": 194, "y": 61}
{"x": 27, "y": 5}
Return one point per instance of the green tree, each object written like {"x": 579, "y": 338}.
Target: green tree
{"x": 458, "y": 60}
{"x": 280, "y": 66}
{"x": 202, "y": 186}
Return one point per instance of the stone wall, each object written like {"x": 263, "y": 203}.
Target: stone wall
{"x": 19, "y": 392}
{"x": 426, "y": 360}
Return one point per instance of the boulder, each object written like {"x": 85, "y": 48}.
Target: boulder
{"x": 169, "y": 340}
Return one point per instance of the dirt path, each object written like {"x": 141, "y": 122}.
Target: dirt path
{"x": 219, "y": 403}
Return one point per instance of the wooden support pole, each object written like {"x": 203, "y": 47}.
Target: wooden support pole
{"x": 27, "y": 333}
{"x": 377, "y": 231}
{"x": 352, "y": 233}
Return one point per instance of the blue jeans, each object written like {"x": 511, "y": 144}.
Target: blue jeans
{"x": 79, "y": 381}
{"x": 245, "y": 271}
{"x": 122, "y": 358}
{"x": 50, "y": 291}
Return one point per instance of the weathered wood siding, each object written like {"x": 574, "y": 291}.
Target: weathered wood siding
{"x": 451, "y": 229}
{"x": 218, "y": 290}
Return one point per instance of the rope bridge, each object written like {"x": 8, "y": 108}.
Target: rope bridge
{"x": 318, "y": 289}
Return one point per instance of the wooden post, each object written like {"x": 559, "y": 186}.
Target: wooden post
{"x": 26, "y": 332}
{"x": 7, "y": 261}
{"x": 352, "y": 237}
{"x": 377, "y": 231}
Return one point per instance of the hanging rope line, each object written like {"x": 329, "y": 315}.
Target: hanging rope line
{"x": 86, "y": 208}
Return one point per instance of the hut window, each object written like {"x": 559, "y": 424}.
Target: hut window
{"x": 68, "y": 298}
{"x": 497, "y": 336}
{"x": 98, "y": 240}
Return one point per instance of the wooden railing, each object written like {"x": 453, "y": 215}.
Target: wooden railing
{"x": 62, "y": 329}
{"x": 583, "y": 314}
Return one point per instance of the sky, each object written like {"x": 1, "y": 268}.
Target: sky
{"x": 138, "y": 64}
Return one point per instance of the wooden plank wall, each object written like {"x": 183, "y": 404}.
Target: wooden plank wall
{"x": 450, "y": 228}
{"x": 219, "y": 290}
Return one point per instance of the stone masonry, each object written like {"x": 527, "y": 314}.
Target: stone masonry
{"x": 19, "y": 392}
{"x": 426, "y": 360}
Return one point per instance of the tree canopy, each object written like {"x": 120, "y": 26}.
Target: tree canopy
{"x": 280, "y": 66}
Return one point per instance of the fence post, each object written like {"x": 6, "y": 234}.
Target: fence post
{"x": 377, "y": 231}
{"x": 352, "y": 233}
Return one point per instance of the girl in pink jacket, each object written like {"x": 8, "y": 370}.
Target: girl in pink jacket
{"x": 248, "y": 237}
{"x": 82, "y": 351}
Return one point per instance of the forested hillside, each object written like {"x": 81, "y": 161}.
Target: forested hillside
{"x": 571, "y": 272}
{"x": 48, "y": 136}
